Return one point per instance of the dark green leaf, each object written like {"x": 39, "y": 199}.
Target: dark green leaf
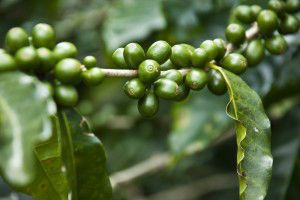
{"x": 25, "y": 109}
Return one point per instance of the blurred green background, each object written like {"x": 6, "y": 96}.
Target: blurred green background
{"x": 98, "y": 27}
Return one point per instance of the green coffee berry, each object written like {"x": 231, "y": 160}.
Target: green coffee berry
{"x": 199, "y": 58}
{"x": 211, "y": 49}
{"x": 167, "y": 65}
{"x": 165, "y": 88}
{"x": 47, "y": 59}
{"x": 68, "y": 71}
{"x": 118, "y": 58}
{"x": 90, "y": 62}
{"x": 93, "y": 76}
{"x": 235, "y": 63}
{"x": 149, "y": 71}
{"x": 277, "y": 6}
{"x": 134, "y": 54}
{"x": 267, "y": 21}
{"x": 196, "y": 79}
{"x": 244, "y": 14}
{"x": 255, "y": 9}
{"x": 292, "y": 6}
{"x": 27, "y": 58}
{"x": 276, "y": 45}
{"x": 235, "y": 34}
{"x": 182, "y": 92}
{"x": 159, "y": 51}
{"x": 181, "y": 56}
{"x": 65, "y": 50}
{"x": 189, "y": 47}
{"x": 255, "y": 52}
{"x": 148, "y": 105}
{"x": 66, "y": 95}
{"x": 134, "y": 88}
{"x": 43, "y": 35}
{"x": 15, "y": 39}
{"x": 216, "y": 83}
{"x": 289, "y": 24}
{"x": 7, "y": 62}
{"x": 174, "y": 75}
{"x": 221, "y": 44}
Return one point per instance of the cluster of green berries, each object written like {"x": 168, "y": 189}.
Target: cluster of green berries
{"x": 55, "y": 64}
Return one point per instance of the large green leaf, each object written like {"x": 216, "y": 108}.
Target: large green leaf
{"x": 25, "y": 109}
{"x": 253, "y": 133}
{"x": 198, "y": 122}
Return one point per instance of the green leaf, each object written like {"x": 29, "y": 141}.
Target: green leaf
{"x": 198, "y": 122}
{"x": 132, "y": 20}
{"x": 253, "y": 133}
{"x": 25, "y": 109}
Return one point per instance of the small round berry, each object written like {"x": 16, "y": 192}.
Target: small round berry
{"x": 267, "y": 21}
{"x": 174, "y": 75}
{"x": 165, "y": 88}
{"x": 167, "y": 65}
{"x": 27, "y": 58}
{"x": 93, "y": 76}
{"x": 221, "y": 48}
{"x": 255, "y": 9}
{"x": 211, "y": 49}
{"x": 277, "y": 6}
{"x": 118, "y": 58}
{"x": 196, "y": 79}
{"x": 68, "y": 71}
{"x": 89, "y": 62}
{"x": 181, "y": 56}
{"x": 134, "y": 88}
{"x": 235, "y": 34}
{"x": 289, "y": 24}
{"x": 7, "y": 62}
{"x": 65, "y": 50}
{"x": 47, "y": 59}
{"x": 148, "y": 105}
{"x": 134, "y": 54}
{"x": 43, "y": 35}
{"x": 148, "y": 71}
{"x": 159, "y": 51}
{"x": 66, "y": 95}
{"x": 199, "y": 58}
{"x": 292, "y": 6}
{"x": 189, "y": 47}
{"x": 255, "y": 52}
{"x": 182, "y": 92}
{"x": 15, "y": 39}
{"x": 216, "y": 83}
{"x": 276, "y": 45}
{"x": 235, "y": 63}
{"x": 244, "y": 14}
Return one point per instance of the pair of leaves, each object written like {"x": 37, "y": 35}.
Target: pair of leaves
{"x": 71, "y": 164}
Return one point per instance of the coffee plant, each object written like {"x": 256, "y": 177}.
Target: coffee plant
{"x": 44, "y": 140}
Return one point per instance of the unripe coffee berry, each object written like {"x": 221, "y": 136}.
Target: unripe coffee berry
{"x": 216, "y": 83}
{"x": 235, "y": 63}
{"x": 43, "y": 35}
{"x": 27, "y": 58}
{"x": 292, "y": 6}
{"x": 182, "y": 92}
{"x": 165, "y": 88}
{"x": 118, "y": 58}
{"x": 199, "y": 58}
{"x": 277, "y": 6}
{"x": 159, "y": 51}
{"x": 66, "y": 95}
{"x": 211, "y": 49}
{"x": 255, "y": 9}
{"x": 134, "y": 54}
{"x": 134, "y": 88}
{"x": 174, "y": 75}
{"x": 47, "y": 59}
{"x": 167, "y": 65}
{"x": 255, "y": 52}
{"x": 235, "y": 34}
{"x": 196, "y": 79}
{"x": 7, "y": 62}
{"x": 68, "y": 71}
{"x": 221, "y": 48}
{"x": 93, "y": 76}
{"x": 181, "y": 56}
{"x": 15, "y": 39}
{"x": 244, "y": 14}
{"x": 289, "y": 24}
{"x": 89, "y": 62}
{"x": 65, "y": 50}
{"x": 148, "y": 105}
{"x": 276, "y": 45}
{"x": 267, "y": 21}
{"x": 148, "y": 71}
